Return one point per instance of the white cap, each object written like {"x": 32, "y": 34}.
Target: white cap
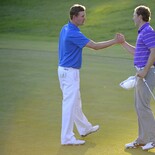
{"x": 128, "y": 83}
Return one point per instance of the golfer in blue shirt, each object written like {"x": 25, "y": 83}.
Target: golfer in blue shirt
{"x": 71, "y": 43}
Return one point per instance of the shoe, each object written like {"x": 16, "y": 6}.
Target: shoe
{"x": 133, "y": 145}
{"x": 93, "y": 129}
{"x": 74, "y": 142}
{"x": 149, "y": 146}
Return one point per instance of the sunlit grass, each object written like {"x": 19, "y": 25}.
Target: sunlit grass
{"x": 30, "y": 97}
{"x": 45, "y": 19}
{"x": 30, "y": 112}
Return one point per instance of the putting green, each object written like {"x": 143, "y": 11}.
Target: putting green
{"x": 30, "y": 101}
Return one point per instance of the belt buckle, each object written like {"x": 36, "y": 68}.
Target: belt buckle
{"x": 66, "y": 69}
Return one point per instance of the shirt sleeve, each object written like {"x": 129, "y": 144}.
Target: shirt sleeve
{"x": 79, "y": 39}
{"x": 149, "y": 39}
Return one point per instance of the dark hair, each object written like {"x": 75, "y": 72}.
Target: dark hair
{"x": 144, "y": 12}
{"x": 75, "y": 9}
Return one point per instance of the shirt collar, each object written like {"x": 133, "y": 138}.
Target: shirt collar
{"x": 73, "y": 25}
{"x": 142, "y": 27}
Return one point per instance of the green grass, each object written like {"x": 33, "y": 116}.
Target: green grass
{"x": 30, "y": 97}
{"x": 42, "y": 20}
{"x": 30, "y": 100}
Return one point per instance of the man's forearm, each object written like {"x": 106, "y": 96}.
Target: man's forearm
{"x": 129, "y": 47}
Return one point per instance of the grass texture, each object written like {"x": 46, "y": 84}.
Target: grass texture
{"x": 30, "y": 97}
{"x": 30, "y": 100}
{"x": 42, "y": 20}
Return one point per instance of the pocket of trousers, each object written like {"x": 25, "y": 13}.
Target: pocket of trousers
{"x": 62, "y": 75}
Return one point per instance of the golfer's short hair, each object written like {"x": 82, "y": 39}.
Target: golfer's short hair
{"x": 144, "y": 12}
{"x": 75, "y": 9}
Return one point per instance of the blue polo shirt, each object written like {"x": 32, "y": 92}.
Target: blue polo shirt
{"x": 145, "y": 41}
{"x": 71, "y": 43}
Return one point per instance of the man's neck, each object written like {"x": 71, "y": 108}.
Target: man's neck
{"x": 141, "y": 24}
{"x": 73, "y": 23}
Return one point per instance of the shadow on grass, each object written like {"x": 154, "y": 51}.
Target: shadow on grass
{"x": 75, "y": 150}
{"x": 139, "y": 151}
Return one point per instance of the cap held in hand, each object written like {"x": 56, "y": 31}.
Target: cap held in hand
{"x": 128, "y": 83}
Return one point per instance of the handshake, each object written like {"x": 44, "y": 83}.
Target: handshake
{"x": 119, "y": 38}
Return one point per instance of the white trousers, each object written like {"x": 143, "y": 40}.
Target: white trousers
{"x": 71, "y": 104}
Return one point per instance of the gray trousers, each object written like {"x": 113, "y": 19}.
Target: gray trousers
{"x": 146, "y": 121}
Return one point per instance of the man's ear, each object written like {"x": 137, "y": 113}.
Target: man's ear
{"x": 140, "y": 17}
{"x": 74, "y": 17}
